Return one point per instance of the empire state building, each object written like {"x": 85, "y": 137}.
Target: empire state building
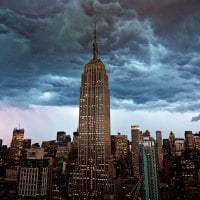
{"x": 92, "y": 176}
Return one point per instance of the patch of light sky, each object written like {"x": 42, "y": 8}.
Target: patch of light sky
{"x": 41, "y": 123}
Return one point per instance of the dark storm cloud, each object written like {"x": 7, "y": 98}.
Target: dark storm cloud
{"x": 34, "y": 8}
{"x": 150, "y": 49}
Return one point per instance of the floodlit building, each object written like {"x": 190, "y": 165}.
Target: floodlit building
{"x": 92, "y": 177}
{"x": 16, "y": 147}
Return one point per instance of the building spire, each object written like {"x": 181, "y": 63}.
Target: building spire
{"x": 95, "y": 44}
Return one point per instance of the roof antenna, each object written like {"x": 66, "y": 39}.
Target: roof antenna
{"x": 95, "y": 29}
{"x": 95, "y": 44}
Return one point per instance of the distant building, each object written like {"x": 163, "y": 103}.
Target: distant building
{"x": 50, "y": 148}
{"x": 172, "y": 141}
{"x": 1, "y": 142}
{"x": 136, "y": 137}
{"x": 159, "y": 144}
{"x": 35, "y": 153}
{"x": 61, "y": 138}
{"x": 34, "y": 178}
{"x": 148, "y": 169}
{"x": 35, "y": 145}
{"x": 16, "y": 147}
{"x": 26, "y": 146}
{"x": 190, "y": 161}
{"x": 3, "y": 160}
{"x": 166, "y": 175}
{"x": 166, "y": 148}
{"x": 189, "y": 140}
{"x": 27, "y": 143}
{"x": 197, "y": 141}
{"x": 63, "y": 151}
{"x": 12, "y": 174}
{"x": 119, "y": 146}
{"x": 11, "y": 181}
{"x": 179, "y": 146}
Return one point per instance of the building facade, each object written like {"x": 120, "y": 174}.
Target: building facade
{"x": 34, "y": 178}
{"x": 17, "y": 143}
{"x": 159, "y": 144}
{"x": 136, "y": 136}
{"x": 149, "y": 170}
{"x": 92, "y": 176}
{"x": 119, "y": 145}
{"x": 61, "y": 138}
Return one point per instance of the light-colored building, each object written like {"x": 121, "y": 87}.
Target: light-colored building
{"x": 34, "y": 177}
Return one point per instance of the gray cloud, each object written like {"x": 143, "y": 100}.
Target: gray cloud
{"x": 195, "y": 119}
{"x": 150, "y": 50}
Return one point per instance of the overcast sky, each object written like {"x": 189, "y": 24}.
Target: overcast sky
{"x": 150, "y": 49}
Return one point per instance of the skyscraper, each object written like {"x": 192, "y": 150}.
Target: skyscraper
{"x": 159, "y": 148}
{"x": 148, "y": 169}
{"x": 15, "y": 152}
{"x": 91, "y": 178}
{"x": 135, "y": 134}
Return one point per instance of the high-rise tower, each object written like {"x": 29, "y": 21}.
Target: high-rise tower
{"x": 148, "y": 169}
{"x": 159, "y": 148}
{"x": 16, "y": 146}
{"x": 91, "y": 178}
{"x": 136, "y": 135}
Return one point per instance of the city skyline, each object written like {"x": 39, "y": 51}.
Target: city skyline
{"x": 150, "y": 50}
